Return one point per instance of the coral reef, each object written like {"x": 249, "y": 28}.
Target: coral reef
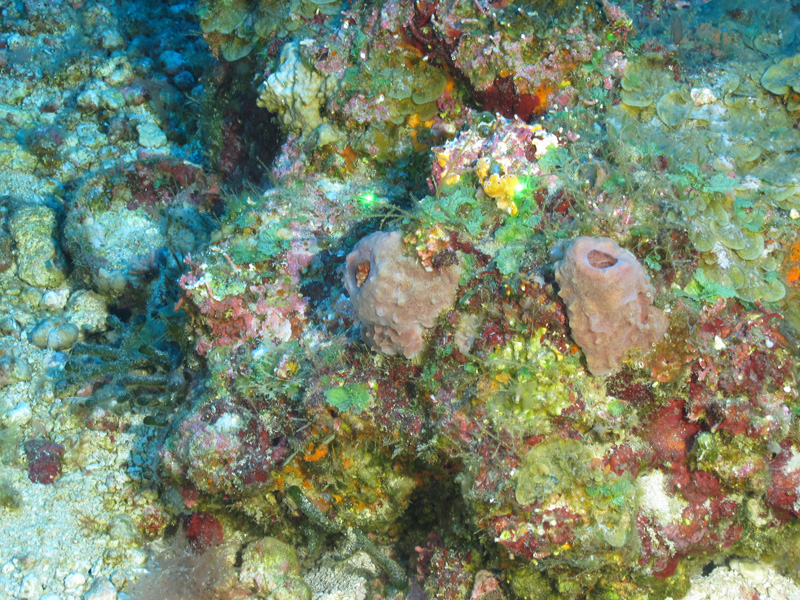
{"x": 179, "y": 349}
{"x": 609, "y": 302}
{"x": 395, "y": 298}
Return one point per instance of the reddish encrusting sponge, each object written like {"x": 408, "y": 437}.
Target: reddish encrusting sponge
{"x": 203, "y": 531}
{"x": 44, "y": 460}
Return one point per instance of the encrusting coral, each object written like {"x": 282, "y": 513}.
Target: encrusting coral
{"x": 609, "y": 301}
{"x": 395, "y": 297}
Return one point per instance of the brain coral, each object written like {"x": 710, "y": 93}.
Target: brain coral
{"x": 609, "y": 301}
{"x": 395, "y": 298}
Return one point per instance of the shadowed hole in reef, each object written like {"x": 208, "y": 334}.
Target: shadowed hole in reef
{"x": 242, "y": 139}
{"x": 436, "y": 515}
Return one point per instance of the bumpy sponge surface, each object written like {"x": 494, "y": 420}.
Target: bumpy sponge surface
{"x": 609, "y": 302}
{"x": 395, "y": 298}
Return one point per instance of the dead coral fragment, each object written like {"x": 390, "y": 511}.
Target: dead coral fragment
{"x": 395, "y": 298}
{"x": 609, "y": 302}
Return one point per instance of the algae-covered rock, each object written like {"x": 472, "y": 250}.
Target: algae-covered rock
{"x": 88, "y": 311}
{"x": 125, "y": 225}
{"x": 223, "y": 17}
{"x": 528, "y": 583}
{"x": 644, "y": 80}
{"x": 40, "y": 262}
{"x": 295, "y": 91}
{"x": 235, "y": 48}
{"x": 673, "y": 107}
{"x": 431, "y": 85}
{"x": 271, "y": 568}
{"x": 550, "y": 468}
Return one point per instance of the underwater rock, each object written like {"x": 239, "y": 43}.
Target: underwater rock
{"x": 44, "y": 141}
{"x": 39, "y": 259}
{"x": 125, "y": 225}
{"x": 172, "y": 62}
{"x": 486, "y": 587}
{"x": 44, "y": 460}
{"x": 151, "y": 135}
{"x": 272, "y": 567}
{"x": 88, "y": 311}
{"x": 54, "y": 300}
{"x": 395, "y": 298}
{"x": 101, "y": 589}
{"x": 14, "y": 368}
{"x": 50, "y": 16}
{"x": 88, "y": 101}
{"x": 55, "y": 333}
{"x": 609, "y": 301}
{"x": 227, "y": 455}
{"x": 109, "y": 38}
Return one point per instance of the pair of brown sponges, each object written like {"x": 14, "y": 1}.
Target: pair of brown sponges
{"x": 608, "y": 296}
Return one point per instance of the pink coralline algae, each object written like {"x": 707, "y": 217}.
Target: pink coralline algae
{"x": 783, "y": 494}
{"x": 609, "y": 302}
{"x": 264, "y": 310}
{"x": 395, "y": 297}
{"x": 44, "y": 460}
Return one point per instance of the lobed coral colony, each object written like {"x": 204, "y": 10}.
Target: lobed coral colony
{"x": 516, "y": 317}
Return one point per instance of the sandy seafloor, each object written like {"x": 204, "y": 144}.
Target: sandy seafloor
{"x": 74, "y": 539}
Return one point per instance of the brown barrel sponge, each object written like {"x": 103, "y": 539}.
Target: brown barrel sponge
{"x": 395, "y": 298}
{"x": 609, "y": 302}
